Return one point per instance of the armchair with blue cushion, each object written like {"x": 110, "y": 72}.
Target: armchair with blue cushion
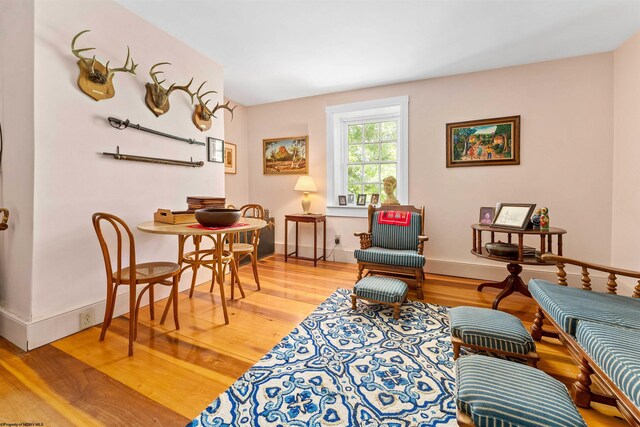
{"x": 394, "y": 250}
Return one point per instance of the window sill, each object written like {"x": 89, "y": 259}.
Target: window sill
{"x": 347, "y": 211}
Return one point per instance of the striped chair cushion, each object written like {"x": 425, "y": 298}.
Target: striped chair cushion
{"x": 615, "y": 350}
{"x": 396, "y": 236}
{"x": 404, "y": 258}
{"x": 384, "y": 289}
{"x": 496, "y": 392}
{"x": 569, "y": 305}
{"x": 490, "y": 328}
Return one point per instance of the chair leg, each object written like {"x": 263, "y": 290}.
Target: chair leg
{"x": 456, "y": 351}
{"x": 152, "y": 301}
{"x": 175, "y": 301}
{"x": 419, "y": 282}
{"x": 235, "y": 278}
{"x": 108, "y": 310}
{"x": 132, "y": 316}
{"x": 353, "y": 301}
{"x": 536, "y": 328}
{"x": 582, "y": 386}
{"x": 360, "y": 270}
{"x": 254, "y": 265}
{"x": 396, "y": 311}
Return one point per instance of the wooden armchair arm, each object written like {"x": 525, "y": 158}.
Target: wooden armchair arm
{"x": 365, "y": 240}
{"x": 421, "y": 240}
{"x": 586, "y": 266}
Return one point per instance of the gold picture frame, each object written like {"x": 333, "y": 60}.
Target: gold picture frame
{"x": 230, "y": 158}
{"x": 285, "y": 156}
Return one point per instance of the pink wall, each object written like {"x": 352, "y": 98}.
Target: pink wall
{"x": 16, "y": 194}
{"x": 626, "y": 192}
{"x": 236, "y": 186}
{"x": 566, "y": 160}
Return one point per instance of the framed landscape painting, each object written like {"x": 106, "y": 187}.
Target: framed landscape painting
{"x": 283, "y": 156}
{"x": 487, "y": 142}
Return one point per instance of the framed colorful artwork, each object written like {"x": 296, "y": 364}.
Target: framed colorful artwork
{"x": 488, "y": 142}
{"x": 282, "y": 156}
{"x": 486, "y": 215}
{"x": 229, "y": 158}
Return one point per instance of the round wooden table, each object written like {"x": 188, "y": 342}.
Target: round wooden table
{"x": 513, "y": 282}
{"x": 184, "y": 231}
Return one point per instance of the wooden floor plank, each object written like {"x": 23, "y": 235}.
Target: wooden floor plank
{"x": 174, "y": 374}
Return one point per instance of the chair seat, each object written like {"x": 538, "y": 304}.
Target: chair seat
{"x": 240, "y": 248}
{"x": 383, "y": 289}
{"x": 567, "y": 306}
{"x": 492, "y": 329}
{"x": 150, "y": 272}
{"x": 615, "y": 350}
{"x": 497, "y": 392}
{"x": 397, "y": 257}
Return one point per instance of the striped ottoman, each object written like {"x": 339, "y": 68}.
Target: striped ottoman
{"x": 491, "y": 330}
{"x": 496, "y": 392}
{"x": 381, "y": 290}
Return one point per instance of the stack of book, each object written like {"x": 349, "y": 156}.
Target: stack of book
{"x": 201, "y": 202}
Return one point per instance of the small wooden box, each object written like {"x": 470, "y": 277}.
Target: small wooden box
{"x": 174, "y": 217}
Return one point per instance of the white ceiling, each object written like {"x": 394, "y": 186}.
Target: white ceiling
{"x": 274, "y": 50}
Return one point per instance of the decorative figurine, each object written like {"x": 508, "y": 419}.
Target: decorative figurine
{"x": 535, "y": 219}
{"x": 390, "y": 184}
{"x": 544, "y": 219}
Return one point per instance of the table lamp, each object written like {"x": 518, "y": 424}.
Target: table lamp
{"x": 305, "y": 184}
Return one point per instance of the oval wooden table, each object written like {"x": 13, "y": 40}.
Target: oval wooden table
{"x": 218, "y": 235}
{"x": 513, "y": 282}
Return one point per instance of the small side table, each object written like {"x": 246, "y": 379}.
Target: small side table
{"x": 310, "y": 218}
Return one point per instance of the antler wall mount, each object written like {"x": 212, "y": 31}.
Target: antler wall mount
{"x": 96, "y": 79}
{"x": 157, "y": 98}
{"x": 202, "y": 114}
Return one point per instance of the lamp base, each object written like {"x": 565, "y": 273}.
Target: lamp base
{"x": 306, "y": 203}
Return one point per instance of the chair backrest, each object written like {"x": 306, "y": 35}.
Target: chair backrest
{"x": 121, "y": 230}
{"x": 396, "y": 236}
{"x": 252, "y": 210}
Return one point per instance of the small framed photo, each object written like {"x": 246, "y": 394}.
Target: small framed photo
{"x": 215, "y": 150}
{"x": 342, "y": 200}
{"x": 486, "y": 215}
{"x": 362, "y": 200}
{"x": 229, "y": 158}
{"x": 513, "y": 215}
{"x": 351, "y": 199}
{"x": 375, "y": 198}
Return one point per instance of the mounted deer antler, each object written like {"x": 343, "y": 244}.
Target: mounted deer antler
{"x": 157, "y": 98}
{"x": 202, "y": 114}
{"x": 95, "y": 79}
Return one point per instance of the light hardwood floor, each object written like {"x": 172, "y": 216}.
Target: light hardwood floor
{"x": 174, "y": 375}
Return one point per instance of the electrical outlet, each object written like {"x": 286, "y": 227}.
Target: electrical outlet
{"x": 337, "y": 239}
{"x": 87, "y": 318}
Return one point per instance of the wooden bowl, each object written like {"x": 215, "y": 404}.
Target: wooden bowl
{"x": 217, "y": 217}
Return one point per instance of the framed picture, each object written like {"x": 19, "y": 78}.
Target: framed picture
{"x": 375, "y": 198}
{"x": 351, "y": 199}
{"x": 215, "y": 150}
{"x": 342, "y": 200}
{"x": 513, "y": 215}
{"x": 488, "y": 142}
{"x": 283, "y": 156}
{"x": 229, "y": 158}
{"x": 486, "y": 215}
{"x": 362, "y": 199}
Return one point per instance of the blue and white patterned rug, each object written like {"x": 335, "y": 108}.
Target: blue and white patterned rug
{"x": 341, "y": 367}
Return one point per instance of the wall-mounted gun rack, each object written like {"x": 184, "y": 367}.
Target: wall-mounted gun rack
{"x": 124, "y": 124}
{"x": 119, "y": 156}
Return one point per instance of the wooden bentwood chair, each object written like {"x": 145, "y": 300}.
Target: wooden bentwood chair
{"x": 392, "y": 249}
{"x": 246, "y": 243}
{"x": 148, "y": 273}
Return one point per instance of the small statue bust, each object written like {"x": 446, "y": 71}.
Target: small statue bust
{"x": 390, "y": 184}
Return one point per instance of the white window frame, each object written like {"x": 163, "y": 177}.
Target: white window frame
{"x": 337, "y": 118}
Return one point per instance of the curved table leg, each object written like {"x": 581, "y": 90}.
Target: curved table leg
{"x": 513, "y": 283}
{"x": 219, "y": 270}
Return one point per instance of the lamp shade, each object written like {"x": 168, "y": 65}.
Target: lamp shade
{"x": 305, "y": 183}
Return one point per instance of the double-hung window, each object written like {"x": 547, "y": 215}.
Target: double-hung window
{"x": 366, "y": 144}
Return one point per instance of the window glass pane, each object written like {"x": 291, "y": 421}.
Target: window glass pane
{"x": 388, "y": 131}
{"x": 372, "y": 189}
{"x": 371, "y": 173}
{"x": 388, "y": 151}
{"x": 354, "y": 174}
{"x": 371, "y": 132}
{"x": 387, "y": 170}
{"x": 355, "y": 153}
{"x": 355, "y": 189}
{"x": 355, "y": 134}
{"x": 371, "y": 152}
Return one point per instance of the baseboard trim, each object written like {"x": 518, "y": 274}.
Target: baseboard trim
{"x": 30, "y": 335}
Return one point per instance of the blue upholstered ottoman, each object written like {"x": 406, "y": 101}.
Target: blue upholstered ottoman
{"x": 491, "y": 330}
{"x": 496, "y": 392}
{"x": 381, "y": 290}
